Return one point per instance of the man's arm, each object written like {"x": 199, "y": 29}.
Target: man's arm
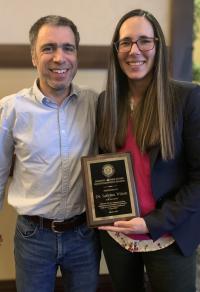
{"x": 7, "y": 148}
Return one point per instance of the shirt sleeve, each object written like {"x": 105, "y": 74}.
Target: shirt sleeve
{"x": 6, "y": 146}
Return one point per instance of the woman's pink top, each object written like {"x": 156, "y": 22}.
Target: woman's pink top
{"x": 142, "y": 174}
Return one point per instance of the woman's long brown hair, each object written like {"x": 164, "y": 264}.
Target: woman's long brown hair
{"x": 153, "y": 118}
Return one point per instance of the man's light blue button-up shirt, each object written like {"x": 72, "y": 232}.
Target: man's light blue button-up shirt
{"x": 48, "y": 141}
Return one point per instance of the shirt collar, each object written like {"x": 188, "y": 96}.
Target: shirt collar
{"x": 45, "y": 100}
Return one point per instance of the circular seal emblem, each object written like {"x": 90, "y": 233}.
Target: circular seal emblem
{"x": 108, "y": 170}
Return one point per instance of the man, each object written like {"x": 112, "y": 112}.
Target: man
{"x": 49, "y": 127}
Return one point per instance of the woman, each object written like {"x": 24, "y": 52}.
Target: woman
{"x": 157, "y": 119}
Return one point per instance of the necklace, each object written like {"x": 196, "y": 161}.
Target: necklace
{"x": 132, "y": 104}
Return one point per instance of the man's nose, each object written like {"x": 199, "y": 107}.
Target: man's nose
{"x": 58, "y": 55}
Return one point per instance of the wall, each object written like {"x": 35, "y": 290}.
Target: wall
{"x": 96, "y": 21}
{"x": 196, "y": 47}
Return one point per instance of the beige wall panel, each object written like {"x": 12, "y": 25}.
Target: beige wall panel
{"x": 95, "y": 19}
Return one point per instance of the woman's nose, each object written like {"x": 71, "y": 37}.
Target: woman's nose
{"x": 134, "y": 49}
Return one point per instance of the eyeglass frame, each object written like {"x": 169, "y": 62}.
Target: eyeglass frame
{"x": 135, "y": 42}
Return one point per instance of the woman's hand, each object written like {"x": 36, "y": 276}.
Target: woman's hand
{"x": 136, "y": 225}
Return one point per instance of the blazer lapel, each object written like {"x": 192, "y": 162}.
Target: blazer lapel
{"x": 153, "y": 154}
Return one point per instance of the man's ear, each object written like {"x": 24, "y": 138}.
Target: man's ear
{"x": 34, "y": 62}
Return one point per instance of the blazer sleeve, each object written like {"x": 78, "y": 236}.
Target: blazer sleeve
{"x": 185, "y": 201}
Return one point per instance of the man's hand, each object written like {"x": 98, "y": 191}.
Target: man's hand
{"x": 136, "y": 225}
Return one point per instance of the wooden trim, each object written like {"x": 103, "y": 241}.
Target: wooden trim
{"x": 104, "y": 285}
{"x": 7, "y": 286}
{"x": 18, "y": 56}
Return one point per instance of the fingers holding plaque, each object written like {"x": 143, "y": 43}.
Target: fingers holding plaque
{"x": 110, "y": 188}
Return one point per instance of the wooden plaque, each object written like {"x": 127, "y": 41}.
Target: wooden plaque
{"x": 110, "y": 188}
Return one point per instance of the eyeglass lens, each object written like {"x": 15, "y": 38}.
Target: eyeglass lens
{"x": 144, "y": 44}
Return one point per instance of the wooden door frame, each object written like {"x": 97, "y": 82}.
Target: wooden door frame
{"x": 181, "y": 39}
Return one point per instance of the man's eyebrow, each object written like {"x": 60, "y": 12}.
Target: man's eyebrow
{"x": 57, "y": 45}
{"x": 68, "y": 44}
{"x": 48, "y": 44}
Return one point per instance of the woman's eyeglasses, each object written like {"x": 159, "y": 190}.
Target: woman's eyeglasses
{"x": 143, "y": 44}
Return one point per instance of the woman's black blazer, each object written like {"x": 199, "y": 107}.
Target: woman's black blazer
{"x": 176, "y": 182}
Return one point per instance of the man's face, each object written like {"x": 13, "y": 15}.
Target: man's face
{"x": 55, "y": 57}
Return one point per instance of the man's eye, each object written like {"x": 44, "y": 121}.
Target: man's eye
{"x": 69, "y": 48}
{"x": 48, "y": 49}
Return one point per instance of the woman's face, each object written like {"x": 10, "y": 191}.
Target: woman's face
{"x": 137, "y": 64}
